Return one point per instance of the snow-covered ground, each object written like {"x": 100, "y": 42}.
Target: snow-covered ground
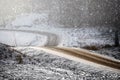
{"x": 71, "y": 37}
{"x": 15, "y": 38}
{"x": 31, "y": 64}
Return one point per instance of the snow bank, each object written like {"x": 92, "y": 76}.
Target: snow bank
{"x": 22, "y": 38}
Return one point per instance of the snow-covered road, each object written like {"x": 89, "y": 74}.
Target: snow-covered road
{"x": 52, "y": 39}
{"x": 84, "y": 56}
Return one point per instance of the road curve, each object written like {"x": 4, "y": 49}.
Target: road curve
{"x": 52, "y": 39}
{"x": 78, "y": 54}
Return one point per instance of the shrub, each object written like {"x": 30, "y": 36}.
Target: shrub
{"x": 19, "y": 59}
{"x": 91, "y": 48}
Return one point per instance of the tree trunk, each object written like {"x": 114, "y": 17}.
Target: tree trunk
{"x": 116, "y": 39}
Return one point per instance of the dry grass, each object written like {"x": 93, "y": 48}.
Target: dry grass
{"x": 91, "y": 47}
{"x": 19, "y": 59}
{"x": 94, "y": 47}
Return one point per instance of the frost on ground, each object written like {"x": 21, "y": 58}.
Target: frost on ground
{"x": 30, "y": 64}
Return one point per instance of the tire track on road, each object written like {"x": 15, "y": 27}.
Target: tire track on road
{"x": 80, "y": 55}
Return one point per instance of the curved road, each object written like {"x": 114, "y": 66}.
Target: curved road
{"x": 52, "y": 39}
{"x": 83, "y": 56}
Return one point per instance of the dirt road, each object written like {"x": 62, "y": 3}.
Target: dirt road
{"x": 83, "y": 56}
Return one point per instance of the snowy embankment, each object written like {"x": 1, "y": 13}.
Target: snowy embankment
{"x": 33, "y": 38}
{"x": 71, "y": 37}
{"x": 28, "y": 63}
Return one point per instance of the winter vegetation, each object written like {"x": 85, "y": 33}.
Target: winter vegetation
{"x": 90, "y": 24}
